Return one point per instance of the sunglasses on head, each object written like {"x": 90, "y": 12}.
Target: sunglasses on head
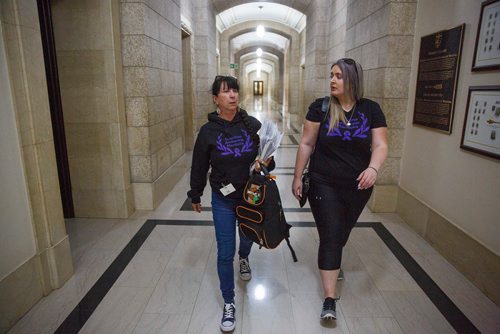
{"x": 223, "y": 77}
{"x": 351, "y": 62}
{"x": 348, "y": 61}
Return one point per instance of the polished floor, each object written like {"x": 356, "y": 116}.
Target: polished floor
{"x": 155, "y": 273}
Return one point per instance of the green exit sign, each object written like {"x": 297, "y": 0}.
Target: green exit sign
{"x": 235, "y": 66}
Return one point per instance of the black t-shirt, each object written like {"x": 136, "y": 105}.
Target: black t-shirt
{"x": 342, "y": 154}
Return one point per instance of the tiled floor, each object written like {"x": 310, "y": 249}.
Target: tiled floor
{"x": 169, "y": 281}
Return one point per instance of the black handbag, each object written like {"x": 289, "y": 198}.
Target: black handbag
{"x": 306, "y": 184}
{"x": 306, "y": 176}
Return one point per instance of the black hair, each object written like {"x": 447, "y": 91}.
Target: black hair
{"x": 231, "y": 82}
{"x": 255, "y": 137}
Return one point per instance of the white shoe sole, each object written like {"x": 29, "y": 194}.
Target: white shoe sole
{"x": 329, "y": 316}
{"x": 227, "y": 328}
{"x": 245, "y": 278}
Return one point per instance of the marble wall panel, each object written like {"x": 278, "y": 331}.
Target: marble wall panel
{"x": 137, "y": 50}
{"x": 395, "y": 112}
{"x": 141, "y": 169}
{"x": 135, "y": 81}
{"x": 132, "y": 16}
{"x": 138, "y": 140}
{"x": 402, "y": 18}
{"x": 413, "y": 212}
{"x": 396, "y": 82}
{"x": 19, "y": 292}
{"x": 88, "y": 86}
{"x": 82, "y": 25}
{"x": 137, "y": 111}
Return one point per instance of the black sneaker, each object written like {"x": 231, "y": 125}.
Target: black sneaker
{"x": 227, "y": 322}
{"x": 341, "y": 275}
{"x": 329, "y": 310}
{"x": 245, "y": 271}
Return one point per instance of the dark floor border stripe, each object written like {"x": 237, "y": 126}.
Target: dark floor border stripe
{"x": 445, "y": 305}
{"x": 82, "y": 312}
{"x": 292, "y": 138}
{"x": 89, "y": 303}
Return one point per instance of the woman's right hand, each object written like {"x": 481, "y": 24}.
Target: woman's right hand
{"x": 297, "y": 188}
{"x": 196, "y": 207}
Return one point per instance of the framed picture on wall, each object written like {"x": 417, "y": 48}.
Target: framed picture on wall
{"x": 481, "y": 132}
{"x": 487, "y": 49}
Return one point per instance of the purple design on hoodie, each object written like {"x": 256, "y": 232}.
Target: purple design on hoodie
{"x": 235, "y": 145}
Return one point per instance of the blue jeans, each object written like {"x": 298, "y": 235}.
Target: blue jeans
{"x": 224, "y": 215}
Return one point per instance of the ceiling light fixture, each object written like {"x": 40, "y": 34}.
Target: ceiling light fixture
{"x": 260, "y": 30}
{"x": 259, "y": 52}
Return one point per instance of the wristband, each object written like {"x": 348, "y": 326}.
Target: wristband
{"x": 375, "y": 169}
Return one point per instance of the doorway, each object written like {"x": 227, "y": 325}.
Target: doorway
{"x": 258, "y": 88}
{"x": 56, "y": 112}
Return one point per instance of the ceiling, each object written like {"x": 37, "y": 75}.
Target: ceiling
{"x": 289, "y": 13}
{"x": 300, "y": 5}
{"x": 250, "y": 39}
{"x": 261, "y": 11}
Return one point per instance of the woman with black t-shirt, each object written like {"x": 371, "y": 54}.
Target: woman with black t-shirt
{"x": 349, "y": 142}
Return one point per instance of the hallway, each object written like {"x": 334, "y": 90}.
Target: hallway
{"x": 155, "y": 273}
{"x": 101, "y": 101}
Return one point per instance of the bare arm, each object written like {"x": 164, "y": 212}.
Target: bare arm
{"x": 306, "y": 147}
{"x": 368, "y": 177}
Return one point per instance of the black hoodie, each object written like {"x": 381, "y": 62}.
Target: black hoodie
{"x": 227, "y": 147}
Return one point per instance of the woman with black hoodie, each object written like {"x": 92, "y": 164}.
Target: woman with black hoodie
{"x": 228, "y": 144}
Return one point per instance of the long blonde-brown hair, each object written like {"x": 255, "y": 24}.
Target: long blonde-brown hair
{"x": 352, "y": 74}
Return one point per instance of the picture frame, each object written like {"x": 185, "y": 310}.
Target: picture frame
{"x": 481, "y": 130}
{"x": 487, "y": 48}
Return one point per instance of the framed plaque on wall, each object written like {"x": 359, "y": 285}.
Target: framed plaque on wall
{"x": 481, "y": 133}
{"x": 438, "y": 65}
{"x": 487, "y": 49}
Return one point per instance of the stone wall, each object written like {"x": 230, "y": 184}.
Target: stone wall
{"x": 152, "y": 67}
{"x": 87, "y": 40}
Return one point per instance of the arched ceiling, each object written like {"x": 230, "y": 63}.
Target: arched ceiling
{"x": 251, "y": 39}
{"x": 299, "y": 5}
{"x": 262, "y": 11}
{"x": 265, "y": 67}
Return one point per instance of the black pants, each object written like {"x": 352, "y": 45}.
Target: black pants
{"x": 335, "y": 208}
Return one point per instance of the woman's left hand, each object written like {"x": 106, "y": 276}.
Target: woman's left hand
{"x": 367, "y": 178}
{"x": 265, "y": 163}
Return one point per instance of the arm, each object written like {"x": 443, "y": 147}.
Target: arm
{"x": 368, "y": 177}
{"x": 306, "y": 147}
{"x": 199, "y": 169}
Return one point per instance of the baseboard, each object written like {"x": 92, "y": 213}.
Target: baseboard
{"x": 476, "y": 262}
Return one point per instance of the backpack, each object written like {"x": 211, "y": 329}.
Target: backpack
{"x": 260, "y": 213}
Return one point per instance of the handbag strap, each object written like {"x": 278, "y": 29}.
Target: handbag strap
{"x": 324, "y": 109}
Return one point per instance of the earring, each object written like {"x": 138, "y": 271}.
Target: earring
{"x": 218, "y": 110}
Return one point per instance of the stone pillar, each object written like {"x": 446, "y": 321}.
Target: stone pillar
{"x": 380, "y": 37}
{"x": 205, "y": 60}
{"x": 152, "y": 53}
{"x": 87, "y": 39}
{"x": 44, "y": 263}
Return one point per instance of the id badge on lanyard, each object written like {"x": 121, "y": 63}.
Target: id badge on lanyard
{"x": 227, "y": 189}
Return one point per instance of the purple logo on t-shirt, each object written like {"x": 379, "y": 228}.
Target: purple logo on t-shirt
{"x": 235, "y": 145}
{"x": 346, "y": 132}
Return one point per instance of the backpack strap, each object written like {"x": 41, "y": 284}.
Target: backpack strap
{"x": 326, "y": 102}
{"x": 291, "y": 250}
{"x": 253, "y": 134}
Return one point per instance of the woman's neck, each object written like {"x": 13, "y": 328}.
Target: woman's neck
{"x": 228, "y": 115}
{"x": 346, "y": 103}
